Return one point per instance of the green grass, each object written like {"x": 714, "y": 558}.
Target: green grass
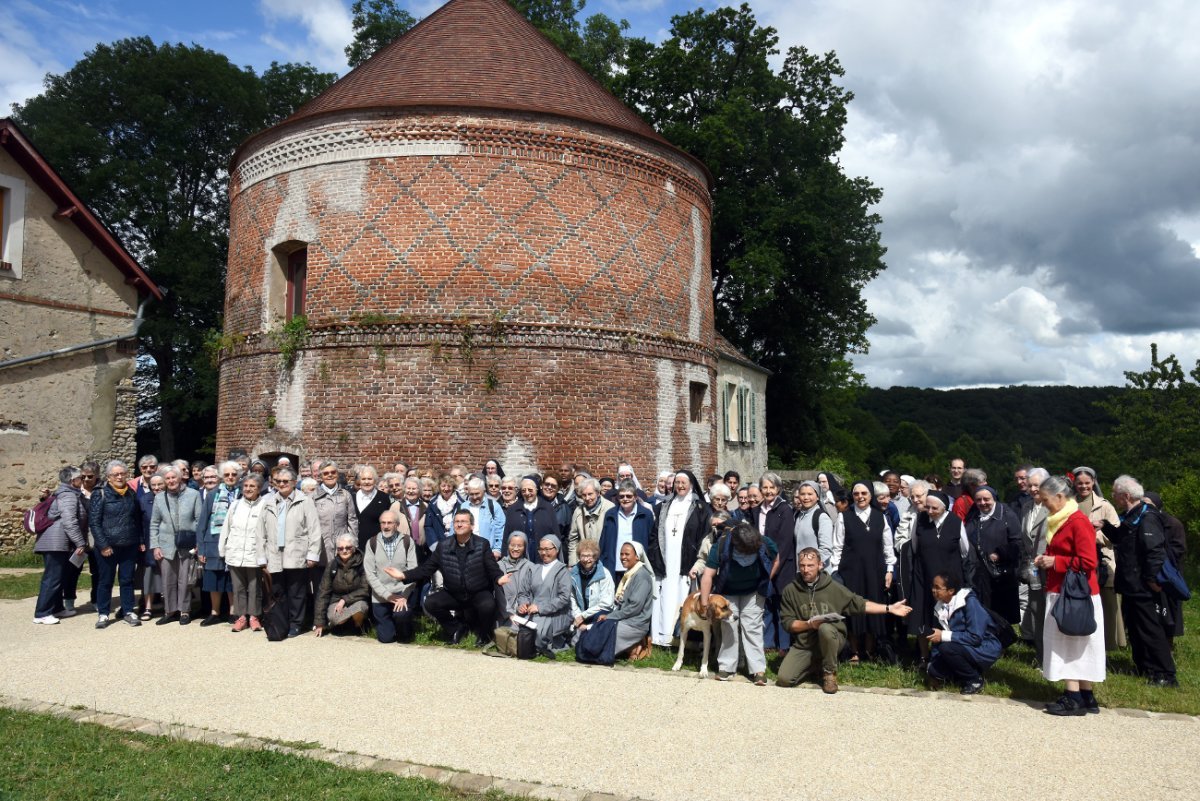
{"x": 23, "y": 558}
{"x": 27, "y": 586}
{"x": 43, "y": 757}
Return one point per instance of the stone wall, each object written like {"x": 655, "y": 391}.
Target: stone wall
{"x": 65, "y": 409}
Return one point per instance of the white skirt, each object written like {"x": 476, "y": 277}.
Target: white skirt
{"x": 672, "y": 592}
{"x": 1067, "y": 658}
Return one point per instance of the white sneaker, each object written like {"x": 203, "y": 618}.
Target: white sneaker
{"x": 102, "y": 621}
{"x": 48, "y": 620}
{"x": 66, "y": 613}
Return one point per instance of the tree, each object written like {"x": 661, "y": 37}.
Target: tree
{"x": 1156, "y": 438}
{"x": 376, "y": 23}
{"x": 793, "y": 241}
{"x": 144, "y": 133}
{"x": 598, "y": 45}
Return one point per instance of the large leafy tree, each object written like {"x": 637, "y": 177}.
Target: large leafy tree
{"x": 794, "y": 238}
{"x": 144, "y": 133}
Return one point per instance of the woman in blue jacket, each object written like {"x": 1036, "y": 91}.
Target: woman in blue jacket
{"x": 965, "y": 641}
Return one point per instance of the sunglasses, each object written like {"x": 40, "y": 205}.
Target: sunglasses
{"x": 343, "y": 549}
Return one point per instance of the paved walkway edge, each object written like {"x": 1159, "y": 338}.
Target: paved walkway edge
{"x": 459, "y": 780}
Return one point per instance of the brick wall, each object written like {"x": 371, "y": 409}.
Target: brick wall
{"x": 477, "y": 283}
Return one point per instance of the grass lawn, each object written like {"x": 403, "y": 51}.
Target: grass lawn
{"x": 44, "y": 757}
{"x": 27, "y": 587}
{"x": 20, "y": 559}
{"x": 1014, "y": 676}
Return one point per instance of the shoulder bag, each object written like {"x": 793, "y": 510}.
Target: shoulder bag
{"x": 1073, "y": 611}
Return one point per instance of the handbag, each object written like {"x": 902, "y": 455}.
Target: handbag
{"x": 1073, "y": 611}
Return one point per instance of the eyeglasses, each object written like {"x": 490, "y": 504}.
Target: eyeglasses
{"x": 230, "y": 475}
{"x": 547, "y": 550}
{"x": 343, "y": 549}
{"x": 549, "y": 484}
{"x": 117, "y": 474}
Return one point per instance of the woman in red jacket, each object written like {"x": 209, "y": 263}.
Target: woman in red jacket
{"x": 1070, "y": 543}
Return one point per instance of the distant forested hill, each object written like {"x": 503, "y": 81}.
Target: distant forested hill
{"x": 918, "y": 430}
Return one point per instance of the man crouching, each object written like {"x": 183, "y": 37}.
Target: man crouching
{"x": 813, "y": 610}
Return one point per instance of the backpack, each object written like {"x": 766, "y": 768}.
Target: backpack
{"x": 40, "y": 517}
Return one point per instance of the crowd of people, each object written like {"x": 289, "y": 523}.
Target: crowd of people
{"x": 603, "y": 564}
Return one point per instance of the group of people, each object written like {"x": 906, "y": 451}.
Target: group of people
{"x": 604, "y": 564}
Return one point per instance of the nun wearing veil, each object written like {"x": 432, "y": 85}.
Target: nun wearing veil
{"x": 939, "y": 546}
{"x": 994, "y": 533}
{"x": 683, "y": 520}
{"x": 865, "y": 563}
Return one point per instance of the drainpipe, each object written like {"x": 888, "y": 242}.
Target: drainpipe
{"x": 99, "y": 343}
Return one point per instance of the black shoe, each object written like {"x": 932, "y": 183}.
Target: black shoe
{"x": 1163, "y": 680}
{"x": 165, "y": 619}
{"x": 1065, "y": 707}
{"x": 1092, "y": 706}
{"x": 185, "y": 619}
{"x": 972, "y": 688}
{"x": 294, "y": 631}
{"x": 457, "y": 635}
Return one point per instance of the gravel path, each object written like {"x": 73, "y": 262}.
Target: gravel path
{"x": 640, "y": 733}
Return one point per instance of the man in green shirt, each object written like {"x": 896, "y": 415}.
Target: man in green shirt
{"x": 813, "y": 609}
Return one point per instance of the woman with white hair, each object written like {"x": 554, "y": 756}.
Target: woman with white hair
{"x": 1077, "y": 661}
{"x": 345, "y": 590}
{"x": 369, "y": 504}
{"x": 173, "y": 523}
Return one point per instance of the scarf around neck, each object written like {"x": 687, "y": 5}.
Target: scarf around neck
{"x": 1055, "y": 521}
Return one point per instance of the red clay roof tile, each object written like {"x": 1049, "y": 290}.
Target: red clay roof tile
{"x": 477, "y": 54}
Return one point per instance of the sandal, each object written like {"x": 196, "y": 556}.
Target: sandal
{"x": 853, "y": 660}
{"x": 145, "y": 614}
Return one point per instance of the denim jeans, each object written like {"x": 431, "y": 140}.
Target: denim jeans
{"x": 120, "y": 565}
{"x": 50, "y": 595}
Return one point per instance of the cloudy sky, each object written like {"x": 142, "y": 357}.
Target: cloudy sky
{"x": 1040, "y": 160}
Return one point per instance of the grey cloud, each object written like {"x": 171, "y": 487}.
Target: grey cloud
{"x": 1053, "y": 142}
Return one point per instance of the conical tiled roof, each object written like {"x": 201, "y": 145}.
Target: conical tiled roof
{"x": 478, "y": 54}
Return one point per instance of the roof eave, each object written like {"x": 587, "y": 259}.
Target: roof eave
{"x": 70, "y": 207}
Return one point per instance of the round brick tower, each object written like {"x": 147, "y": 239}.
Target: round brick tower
{"x": 492, "y": 255}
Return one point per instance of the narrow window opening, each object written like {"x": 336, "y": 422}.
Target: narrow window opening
{"x": 297, "y": 282}
{"x": 696, "y": 401}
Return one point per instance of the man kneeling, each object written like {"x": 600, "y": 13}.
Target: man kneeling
{"x": 469, "y": 580}
{"x": 813, "y": 610}
{"x": 390, "y": 598}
